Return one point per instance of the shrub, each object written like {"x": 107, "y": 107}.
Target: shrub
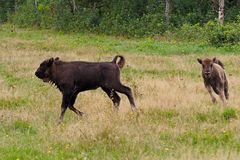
{"x": 136, "y": 18}
{"x": 25, "y": 17}
{"x": 218, "y": 36}
{"x": 189, "y": 32}
{"x": 211, "y": 33}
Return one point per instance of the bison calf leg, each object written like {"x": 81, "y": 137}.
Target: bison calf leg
{"x": 68, "y": 100}
{"x": 113, "y": 96}
{"x": 71, "y": 105}
{"x": 209, "y": 89}
{"x": 63, "y": 109}
{"x": 65, "y": 102}
{"x": 222, "y": 96}
{"x": 226, "y": 90}
{"x": 128, "y": 92}
{"x": 76, "y": 111}
{"x": 226, "y": 94}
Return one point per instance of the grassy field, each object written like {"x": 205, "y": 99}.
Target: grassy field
{"x": 178, "y": 120}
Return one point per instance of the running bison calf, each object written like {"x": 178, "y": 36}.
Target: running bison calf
{"x": 215, "y": 78}
{"x": 77, "y": 76}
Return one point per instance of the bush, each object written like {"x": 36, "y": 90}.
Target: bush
{"x": 218, "y": 36}
{"x": 189, "y": 32}
{"x": 211, "y": 33}
{"x": 136, "y": 18}
{"x": 25, "y": 17}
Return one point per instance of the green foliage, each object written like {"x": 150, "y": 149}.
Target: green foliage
{"x": 211, "y": 32}
{"x": 136, "y": 18}
{"x": 6, "y": 7}
{"x": 189, "y": 32}
{"x": 229, "y": 34}
{"x": 25, "y": 17}
{"x": 192, "y": 12}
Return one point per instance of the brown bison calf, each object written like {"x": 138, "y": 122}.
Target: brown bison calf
{"x": 215, "y": 78}
{"x": 77, "y": 76}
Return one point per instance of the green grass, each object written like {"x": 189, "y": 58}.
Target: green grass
{"x": 229, "y": 113}
{"x": 177, "y": 117}
{"x": 13, "y": 103}
{"x": 161, "y": 74}
{"x": 56, "y": 41}
{"x": 9, "y": 78}
{"x": 111, "y": 143}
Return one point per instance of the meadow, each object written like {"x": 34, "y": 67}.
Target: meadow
{"x": 177, "y": 119}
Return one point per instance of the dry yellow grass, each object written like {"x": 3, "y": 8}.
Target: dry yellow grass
{"x": 168, "y": 90}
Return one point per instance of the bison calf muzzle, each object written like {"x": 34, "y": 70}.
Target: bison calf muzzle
{"x": 77, "y": 76}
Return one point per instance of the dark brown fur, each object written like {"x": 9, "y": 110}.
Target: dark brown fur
{"x": 215, "y": 78}
{"x": 217, "y": 61}
{"x": 77, "y": 76}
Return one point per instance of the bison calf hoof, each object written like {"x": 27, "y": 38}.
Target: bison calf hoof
{"x": 59, "y": 122}
{"x": 214, "y": 100}
{"x": 134, "y": 108}
{"x": 83, "y": 114}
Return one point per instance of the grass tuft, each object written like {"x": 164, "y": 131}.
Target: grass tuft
{"x": 229, "y": 113}
{"x": 14, "y": 103}
{"x": 24, "y": 127}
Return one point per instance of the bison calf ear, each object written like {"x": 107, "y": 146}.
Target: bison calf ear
{"x": 214, "y": 59}
{"x": 199, "y": 60}
{"x": 50, "y": 62}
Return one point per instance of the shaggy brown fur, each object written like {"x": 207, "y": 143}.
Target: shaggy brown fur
{"x": 217, "y": 61}
{"x": 77, "y": 76}
{"x": 215, "y": 78}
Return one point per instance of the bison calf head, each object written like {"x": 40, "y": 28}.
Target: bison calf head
{"x": 43, "y": 71}
{"x": 207, "y": 67}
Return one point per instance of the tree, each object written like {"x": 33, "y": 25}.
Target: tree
{"x": 167, "y": 10}
{"x": 7, "y": 7}
{"x": 221, "y": 12}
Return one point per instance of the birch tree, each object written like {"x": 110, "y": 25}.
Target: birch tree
{"x": 72, "y": 5}
{"x": 167, "y": 10}
{"x": 221, "y": 12}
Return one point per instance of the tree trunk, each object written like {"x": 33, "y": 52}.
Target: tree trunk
{"x": 72, "y": 5}
{"x": 16, "y": 5}
{"x": 221, "y": 12}
{"x": 167, "y": 10}
{"x": 36, "y": 6}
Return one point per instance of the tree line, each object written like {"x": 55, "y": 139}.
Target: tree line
{"x": 119, "y": 17}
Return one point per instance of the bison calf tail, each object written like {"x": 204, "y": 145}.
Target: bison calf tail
{"x": 121, "y": 61}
